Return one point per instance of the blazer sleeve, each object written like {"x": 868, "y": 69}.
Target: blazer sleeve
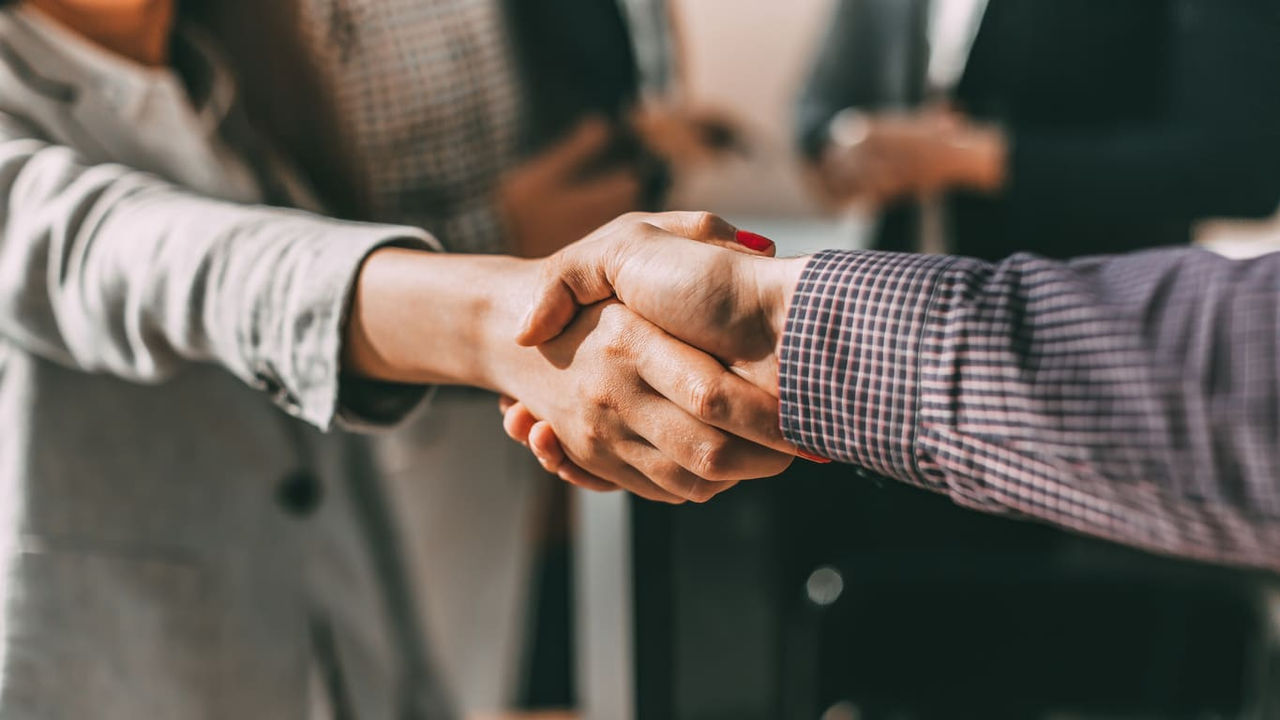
{"x": 1217, "y": 153}
{"x": 1134, "y": 398}
{"x": 110, "y": 270}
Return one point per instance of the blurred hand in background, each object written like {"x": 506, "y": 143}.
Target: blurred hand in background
{"x": 683, "y": 135}
{"x": 877, "y": 158}
{"x": 564, "y": 193}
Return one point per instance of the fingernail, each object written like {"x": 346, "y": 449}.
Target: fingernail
{"x": 812, "y": 458}
{"x": 759, "y": 243}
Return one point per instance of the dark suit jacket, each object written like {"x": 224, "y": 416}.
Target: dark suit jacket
{"x": 1129, "y": 119}
{"x": 577, "y": 58}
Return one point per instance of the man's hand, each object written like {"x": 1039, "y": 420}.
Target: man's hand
{"x": 707, "y": 292}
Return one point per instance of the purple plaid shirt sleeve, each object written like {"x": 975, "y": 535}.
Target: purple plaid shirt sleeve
{"x": 1134, "y": 398}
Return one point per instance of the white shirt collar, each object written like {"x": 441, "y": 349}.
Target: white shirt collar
{"x": 129, "y": 84}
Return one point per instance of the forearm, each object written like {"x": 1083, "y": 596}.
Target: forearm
{"x": 106, "y": 269}
{"x": 420, "y": 317}
{"x": 1132, "y": 398}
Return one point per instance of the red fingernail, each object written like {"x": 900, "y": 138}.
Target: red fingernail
{"x": 812, "y": 458}
{"x": 759, "y": 243}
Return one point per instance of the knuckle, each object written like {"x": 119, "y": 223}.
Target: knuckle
{"x": 618, "y": 347}
{"x": 598, "y": 402}
{"x": 706, "y": 224}
{"x": 702, "y": 491}
{"x": 596, "y": 440}
{"x": 634, "y": 217}
{"x": 708, "y": 399}
{"x": 713, "y": 459}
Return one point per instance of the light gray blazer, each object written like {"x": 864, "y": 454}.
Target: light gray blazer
{"x": 173, "y": 544}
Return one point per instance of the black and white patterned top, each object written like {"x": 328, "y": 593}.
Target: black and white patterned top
{"x": 429, "y": 108}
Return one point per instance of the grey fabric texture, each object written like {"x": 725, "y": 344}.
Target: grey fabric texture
{"x": 169, "y": 352}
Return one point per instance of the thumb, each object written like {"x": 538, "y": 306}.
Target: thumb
{"x": 570, "y": 281}
{"x": 580, "y": 275}
{"x": 714, "y": 230}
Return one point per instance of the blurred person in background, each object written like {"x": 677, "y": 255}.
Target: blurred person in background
{"x": 174, "y": 544}
{"x": 1066, "y": 128}
{"x": 985, "y": 128}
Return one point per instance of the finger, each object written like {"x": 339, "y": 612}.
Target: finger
{"x": 617, "y": 470}
{"x": 546, "y": 446}
{"x": 517, "y": 422}
{"x": 582, "y": 145}
{"x": 673, "y": 477}
{"x": 700, "y": 386}
{"x": 712, "y": 229}
{"x": 633, "y": 481}
{"x": 702, "y": 450}
{"x": 546, "y": 450}
{"x": 504, "y": 403}
{"x": 578, "y": 477}
{"x": 554, "y": 307}
{"x": 576, "y": 277}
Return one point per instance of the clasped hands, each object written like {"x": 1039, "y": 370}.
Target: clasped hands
{"x": 643, "y": 357}
{"x": 699, "y": 315}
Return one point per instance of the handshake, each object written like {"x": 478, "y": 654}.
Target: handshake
{"x": 671, "y": 323}
{"x": 643, "y": 357}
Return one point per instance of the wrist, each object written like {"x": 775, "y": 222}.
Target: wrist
{"x": 498, "y": 310}
{"x": 421, "y": 317}
{"x": 776, "y": 282}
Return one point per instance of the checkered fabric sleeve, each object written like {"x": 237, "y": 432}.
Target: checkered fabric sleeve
{"x": 1134, "y": 398}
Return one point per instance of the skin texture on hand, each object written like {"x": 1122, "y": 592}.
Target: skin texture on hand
{"x": 706, "y": 293}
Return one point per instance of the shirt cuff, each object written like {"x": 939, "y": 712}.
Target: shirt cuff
{"x": 317, "y": 283}
{"x": 850, "y": 362}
